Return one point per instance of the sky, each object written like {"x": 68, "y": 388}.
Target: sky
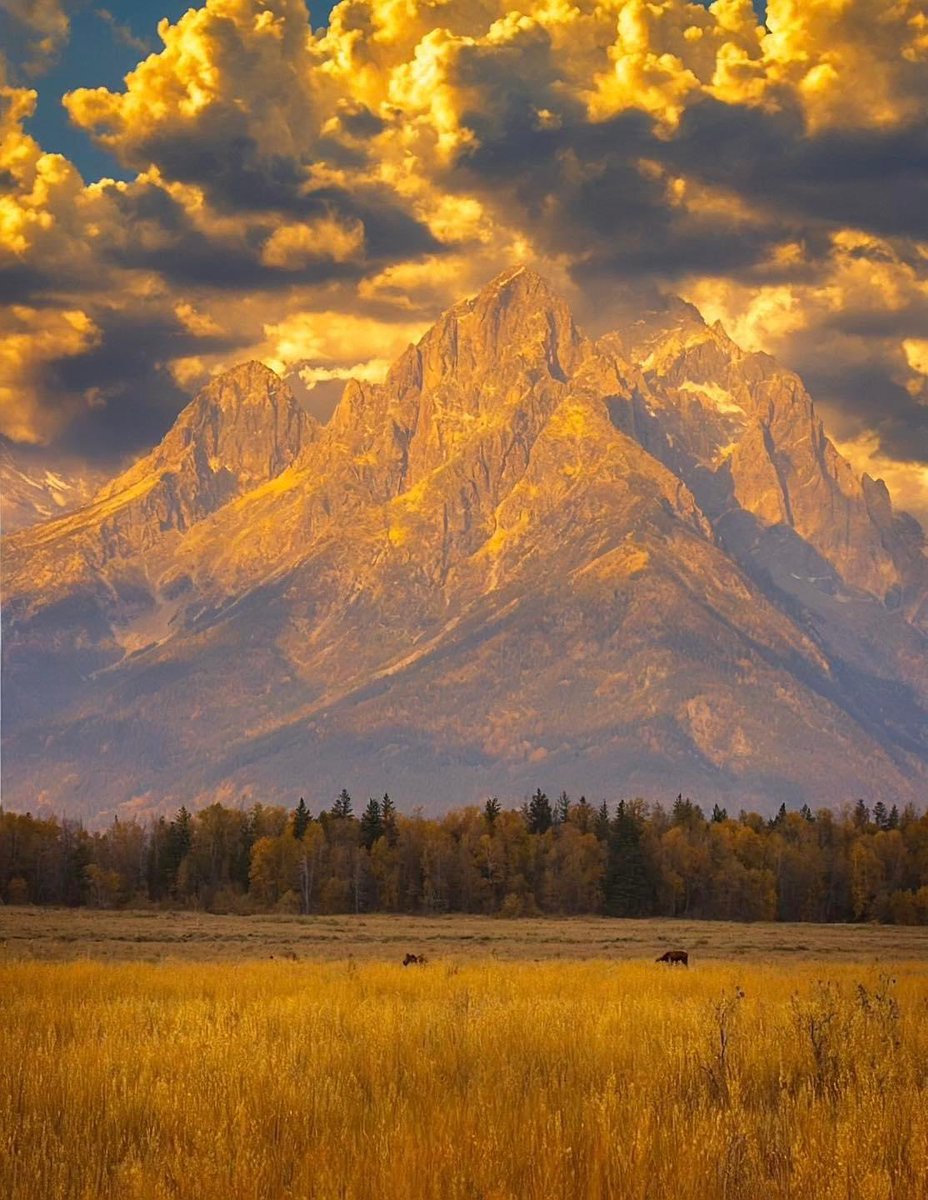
{"x": 183, "y": 188}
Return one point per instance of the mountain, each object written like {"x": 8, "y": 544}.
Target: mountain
{"x": 36, "y": 486}
{"x": 626, "y": 566}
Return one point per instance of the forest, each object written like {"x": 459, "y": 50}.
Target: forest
{"x": 556, "y": 856}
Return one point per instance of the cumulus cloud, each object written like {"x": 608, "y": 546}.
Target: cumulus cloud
{"x": 316, "y": 197}
{"x": 33, "y": 345}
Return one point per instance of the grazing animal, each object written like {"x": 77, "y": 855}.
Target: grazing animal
{"x": 414, "y": 960}
{"x": 675, "y": 956}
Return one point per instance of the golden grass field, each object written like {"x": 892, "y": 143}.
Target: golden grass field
{"x": 343, "y": 1075}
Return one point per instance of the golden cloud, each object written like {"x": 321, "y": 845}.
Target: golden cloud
{"x": 355, "y": 180}
{"x": 29, "y": 339}
{"x": 292, "y": 247}
{"x": 338, "y": 337}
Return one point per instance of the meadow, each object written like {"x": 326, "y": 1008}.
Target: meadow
{"x": 155, "y": 935}
{"x": 549, "y": 1063}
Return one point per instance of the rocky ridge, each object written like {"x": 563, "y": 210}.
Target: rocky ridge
{"x": 36, "y": 486}
{"x": 630, "y": 565}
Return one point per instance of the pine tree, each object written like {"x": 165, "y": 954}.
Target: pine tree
{"x": 301, "y": 819}
{"x": 601, "y": 823}
{"x": 583, "y": 814}
{"x": 177, "y": 843}
{"x": 806, "y": 813}
{"x": 341, "y": 809}
{"x": 388, "y": 816}
{"x": 719, "y": 814}
{"x": 880, "y": 815}
{"x": 861, "y": 815}
{"x": 371, "y": 827}
{"x": 892, "y": 821}
{"x": 562, "y": 809}
{"x": 686, "y": 813}
{"x": 491, "y": 811}
{"x": 539, "y": 815}
{"x": 779, "y": 819}
{"x": 627, "y": 888}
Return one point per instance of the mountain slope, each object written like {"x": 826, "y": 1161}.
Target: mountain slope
{"x": 523, "y": 556}
{"x": 36, "y": 486}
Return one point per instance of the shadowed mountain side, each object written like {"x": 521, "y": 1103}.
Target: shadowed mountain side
{"x": 523, "y": 556}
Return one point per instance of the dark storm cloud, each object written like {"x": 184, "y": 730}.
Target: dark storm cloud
{"x": 228, "y": 165}
{"x": 20, "y": 282}
{"x": 238, "y": 179}
{"x": 869, "y": 179}
{"x": 869, "y": 393}
{"x": 157, "y": 233}
{"x": 581, "y": 189}
{"x": 138, "y": 396}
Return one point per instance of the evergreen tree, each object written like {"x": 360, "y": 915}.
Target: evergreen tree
{"x": 601, "y": 823}
{"x": 539, "y": 814}
{"x": 892, "y": 821}
{"x": 301, "y": 819}
{"x": 561, "y": 809}
{"x": 491, "y": 811}
{"x": 880, "y": 815}
{"x": 341, "y": 809}
{"x": 806, "y": 813}
{"x": 628, "y": 887}
{"x": 861, "y": 815}
{"x": 583, "y": 814}
{"x": 371, "y": 827}
{"x": 178, "y": 843}
{"x": 719, "y": 814}
{"x": 780, "y": 818}
{"x": 388, "y": 816}
{"x": 686, "y": 813}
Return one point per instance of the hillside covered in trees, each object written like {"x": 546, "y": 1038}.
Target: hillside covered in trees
{"x": 557, "y": 856}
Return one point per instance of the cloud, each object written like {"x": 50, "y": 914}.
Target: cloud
{"x": 122, "y": 32}
{"x": 34, "y": 344}
{"x": 320, "y": 339}
{"x": 37, "y": 31}
{"x": 316, "y": 198}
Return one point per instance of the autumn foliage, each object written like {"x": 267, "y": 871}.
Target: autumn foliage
{"x": 546, "y": 857}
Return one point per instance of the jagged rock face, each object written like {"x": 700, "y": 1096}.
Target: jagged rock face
{"x": 630, "y": 566}
{"x": 747, "y": 431}
{"x": 36, "y": 486}
{"x": 241, "y": 431}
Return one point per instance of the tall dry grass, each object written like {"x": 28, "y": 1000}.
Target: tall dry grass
{"x": 519, "y": 1081}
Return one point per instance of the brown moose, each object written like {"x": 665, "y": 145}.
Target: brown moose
{"x": 673, "y": 957}
{"x": 414, "y": 960}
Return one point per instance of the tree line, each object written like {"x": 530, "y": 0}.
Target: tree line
{"x": 629, "y": 859}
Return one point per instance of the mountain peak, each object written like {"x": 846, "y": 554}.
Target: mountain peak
{"x": 521, "y": 278}
{"x": 240, "y": 430}
{"x": 517, "y": 319}
{"x": 518, "y": 287}
{"x": 248, "y": 383}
